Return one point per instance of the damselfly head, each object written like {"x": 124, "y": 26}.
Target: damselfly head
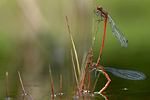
{"x": 99, "y": 8}
{"x": 103, "y": 11}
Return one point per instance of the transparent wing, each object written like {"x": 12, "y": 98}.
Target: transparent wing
{"x": 126, "y": 74}
{"x": 117, "y": 33}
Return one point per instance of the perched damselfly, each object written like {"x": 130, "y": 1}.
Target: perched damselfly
{"x": 116, "y": 32}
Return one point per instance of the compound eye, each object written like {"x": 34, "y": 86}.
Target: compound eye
{"x": 99, "y": 8}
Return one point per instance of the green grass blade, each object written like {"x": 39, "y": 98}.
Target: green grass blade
{"x": 74, "y": 48}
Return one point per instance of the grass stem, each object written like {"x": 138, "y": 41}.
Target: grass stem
{"x": 75, "y": 71}
{"x": 7, "y": 92}
{"x": 24, "y": 93}
{"x": 51, "y": 81}
{"x": 74, "y": 48}
{"x": 60, "y": 84}
{"x": 95, "y": 83}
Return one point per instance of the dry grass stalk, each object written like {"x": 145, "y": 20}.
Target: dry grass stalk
{"x": 51, "y": 81}
{"x": 7, "y": 92}
{"x": 24, "y": 93}
{"x": 74, "y": 48}
{"x": 95, "y": 83}
{"x": 60, "y": 84}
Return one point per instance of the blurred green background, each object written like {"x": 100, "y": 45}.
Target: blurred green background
{"x": 34, "y": 34}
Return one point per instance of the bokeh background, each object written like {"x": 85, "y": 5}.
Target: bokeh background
{"x": 34, "y": 34}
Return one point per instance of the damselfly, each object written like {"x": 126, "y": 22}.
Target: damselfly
{"x": 102, "y": 14}
{"x": 116, "y": 32}
{"x": 126, "y": 74}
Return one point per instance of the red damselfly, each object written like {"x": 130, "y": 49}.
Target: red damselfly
{"x": 126, "y": 74}
{"x": 102, "y": 14}
{"x": 116, "y": 32}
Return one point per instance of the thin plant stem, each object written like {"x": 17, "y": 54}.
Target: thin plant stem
{"x": 7, "y": 92}
{"x": 24, "y": 93}
{"x": 93, "y": 26}
{"x": 95, "y": 83}
{"x": 51, "y": 80}
{"x": 74, "y": 48}
{"x": 83, "y": 65}
{"x": 88, "y": 84}
{"x": 85, "y": 73}
{"x": 91, "y": 52}
{"x": 60, "y": 84}
{"x": 74, "y": 70}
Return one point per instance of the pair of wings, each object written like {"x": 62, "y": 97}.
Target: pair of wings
{"x": 126, "y": 74}
{"x": 115, "y": 30}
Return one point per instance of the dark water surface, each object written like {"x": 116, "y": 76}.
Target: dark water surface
{"x": 119, "y": 89}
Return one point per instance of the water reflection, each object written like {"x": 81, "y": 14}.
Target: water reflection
{"x": 117, "y": 94}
